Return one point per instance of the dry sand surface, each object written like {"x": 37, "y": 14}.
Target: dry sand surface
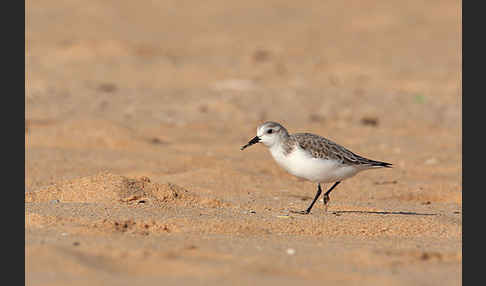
{"x": 136, "y": 110}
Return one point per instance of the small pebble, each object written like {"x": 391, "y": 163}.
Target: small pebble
{"x": 261, "y": 55}
{"x": 107, "y": 87}
{"x": 316, "y": 117}
{"x": 372, "y": 121}
{"x": 290, "y": 251}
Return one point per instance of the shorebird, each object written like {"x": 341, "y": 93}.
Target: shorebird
{"x": 312, "y": 157}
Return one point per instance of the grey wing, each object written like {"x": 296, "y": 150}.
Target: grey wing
{"x": 320, "y": 147}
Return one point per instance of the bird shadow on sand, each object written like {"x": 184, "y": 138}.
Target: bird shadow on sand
{"x": 382, "y": 213}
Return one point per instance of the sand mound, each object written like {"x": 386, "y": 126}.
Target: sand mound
{"x": 110, "y": 188}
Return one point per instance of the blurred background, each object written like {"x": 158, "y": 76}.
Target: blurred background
{"x": 221, "y": 68}
{"x": 172, "y": 89}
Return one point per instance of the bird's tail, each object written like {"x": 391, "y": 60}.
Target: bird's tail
{"x": 379, "y": 164}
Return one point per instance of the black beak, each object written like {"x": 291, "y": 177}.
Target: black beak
{"x": 255, "y": 140}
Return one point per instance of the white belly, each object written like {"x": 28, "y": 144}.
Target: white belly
{"x": 301, "y": 164}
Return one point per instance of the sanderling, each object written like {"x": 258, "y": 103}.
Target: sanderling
{"x": 312, "y": 157}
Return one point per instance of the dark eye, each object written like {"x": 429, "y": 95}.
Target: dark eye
{"x": 270, "y": 131}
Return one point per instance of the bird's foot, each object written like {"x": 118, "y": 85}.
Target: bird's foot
{"x": 326, "y": 200}
{"x": 300, "y": 212}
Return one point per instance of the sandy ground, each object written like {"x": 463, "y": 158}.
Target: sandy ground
{"x": 135, "y": 113}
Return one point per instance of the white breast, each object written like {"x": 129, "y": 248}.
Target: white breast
{"x": 301, "y": 164}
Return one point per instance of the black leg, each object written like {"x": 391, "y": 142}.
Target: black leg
{"x": 326, "y": 198}
{"x": 307, "y": 211}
